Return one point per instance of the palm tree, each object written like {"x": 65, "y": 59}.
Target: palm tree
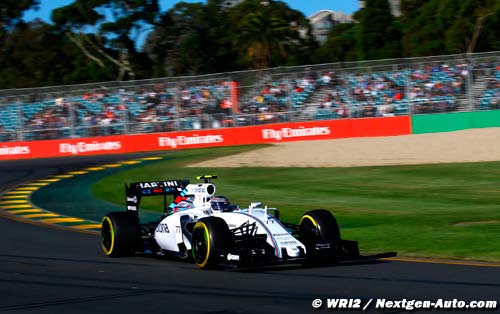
{"x": 261, "y": 35}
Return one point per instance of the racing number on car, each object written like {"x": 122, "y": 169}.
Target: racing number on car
{"x": 162, "y": 228}
{"x": 177, "y": 229}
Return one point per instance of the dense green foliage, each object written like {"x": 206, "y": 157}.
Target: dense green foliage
{"x": 441, "y": 210}
{"x": 379, "y": 35}
{"x": 101, "y": 40}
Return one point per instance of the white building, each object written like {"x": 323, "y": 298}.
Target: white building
{"x": 323, "y": 21}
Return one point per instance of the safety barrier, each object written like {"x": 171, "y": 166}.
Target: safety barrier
{"x": 456, "y": 121}
{"x": 271, "y": 133}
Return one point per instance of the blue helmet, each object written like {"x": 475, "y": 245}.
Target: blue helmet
{"x": 183, "y": 205}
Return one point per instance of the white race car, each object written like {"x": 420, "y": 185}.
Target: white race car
{"x": 205, "y": 228}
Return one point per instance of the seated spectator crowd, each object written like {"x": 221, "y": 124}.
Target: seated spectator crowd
{"x": 179, "y": 106}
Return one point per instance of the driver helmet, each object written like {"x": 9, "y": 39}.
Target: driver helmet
{"x": 220, "y": 203}
{"x": 183, "y": 205}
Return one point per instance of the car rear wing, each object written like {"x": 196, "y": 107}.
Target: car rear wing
{"x": 135, "y": 191}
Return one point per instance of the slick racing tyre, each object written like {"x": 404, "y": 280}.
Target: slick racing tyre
{"x": 211, "y": 239}
{"x": 119, "y": 233}
{"x": 318, "y": 228}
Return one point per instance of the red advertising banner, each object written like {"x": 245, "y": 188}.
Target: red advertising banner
{"x": 270, "y": 133}
{"x": 64, "y": 147}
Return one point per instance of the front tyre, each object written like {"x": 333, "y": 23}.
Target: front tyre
{"x": 318, "y": 229}
{"x": 119, "y": 233}
{"x": 211, "y": 240}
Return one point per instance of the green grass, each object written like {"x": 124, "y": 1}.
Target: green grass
{"x": 409, "y": 209}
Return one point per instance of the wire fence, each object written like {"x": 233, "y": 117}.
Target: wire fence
{"x": 452, "y": 83}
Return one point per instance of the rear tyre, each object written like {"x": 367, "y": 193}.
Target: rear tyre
{"x": 318, "y": 227}
{"x": 119, "y": 233}
{"x": 211, "y": 240}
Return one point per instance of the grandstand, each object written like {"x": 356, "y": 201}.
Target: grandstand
{"x": 314, "y": 92}
{"x": 490, "y": 98}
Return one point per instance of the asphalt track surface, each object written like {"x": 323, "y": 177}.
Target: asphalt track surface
{"x": 47, "y": 270}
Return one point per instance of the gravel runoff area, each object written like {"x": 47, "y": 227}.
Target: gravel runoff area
{"x": 449, "y": 147}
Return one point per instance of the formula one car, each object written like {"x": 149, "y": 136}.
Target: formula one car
{"x": 200, "y": 226}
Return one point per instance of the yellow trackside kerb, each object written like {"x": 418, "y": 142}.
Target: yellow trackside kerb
{"x": 77, "y": 172}
{"x": 60, "y": 220}
{"x": 87, "y": 226}
{"x": 64, "y": 176}
{"x": 14, "y": 192}
{"x": 112, "y": 165}
{"x": 151, "y": 158}
{"x": 131, "y": 162}
{"x": 41, "y": 215}
{"x": 37, "y": 184}
{"x": 28, "y": 188}
{"x": 24, "y": 211}
{"x": 17, "y": 196}
{"x": 19, "y": 206}
{"x": 12, "y": 202}
{"x": 17, "y": 201}
{"x": 49, "y": 180}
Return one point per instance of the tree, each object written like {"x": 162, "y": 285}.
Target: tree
{"x": 266, "y": 34}
{"x": 106, "y": 31}
{"x": 380, "y": 35}
{"x": 474, "y": 16}
{"x": 449, "y": 26}
{"x": 260, "y": 34}
{"x": 191, "y": 38}
{"x": 12, "y": 10}
{"x": 488, "y": 38}
{"x": 40, "y": 56}
{"x": 410, "y": 8}
{"x": 196, "y": 38}
{"x": 341, "y": 44}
